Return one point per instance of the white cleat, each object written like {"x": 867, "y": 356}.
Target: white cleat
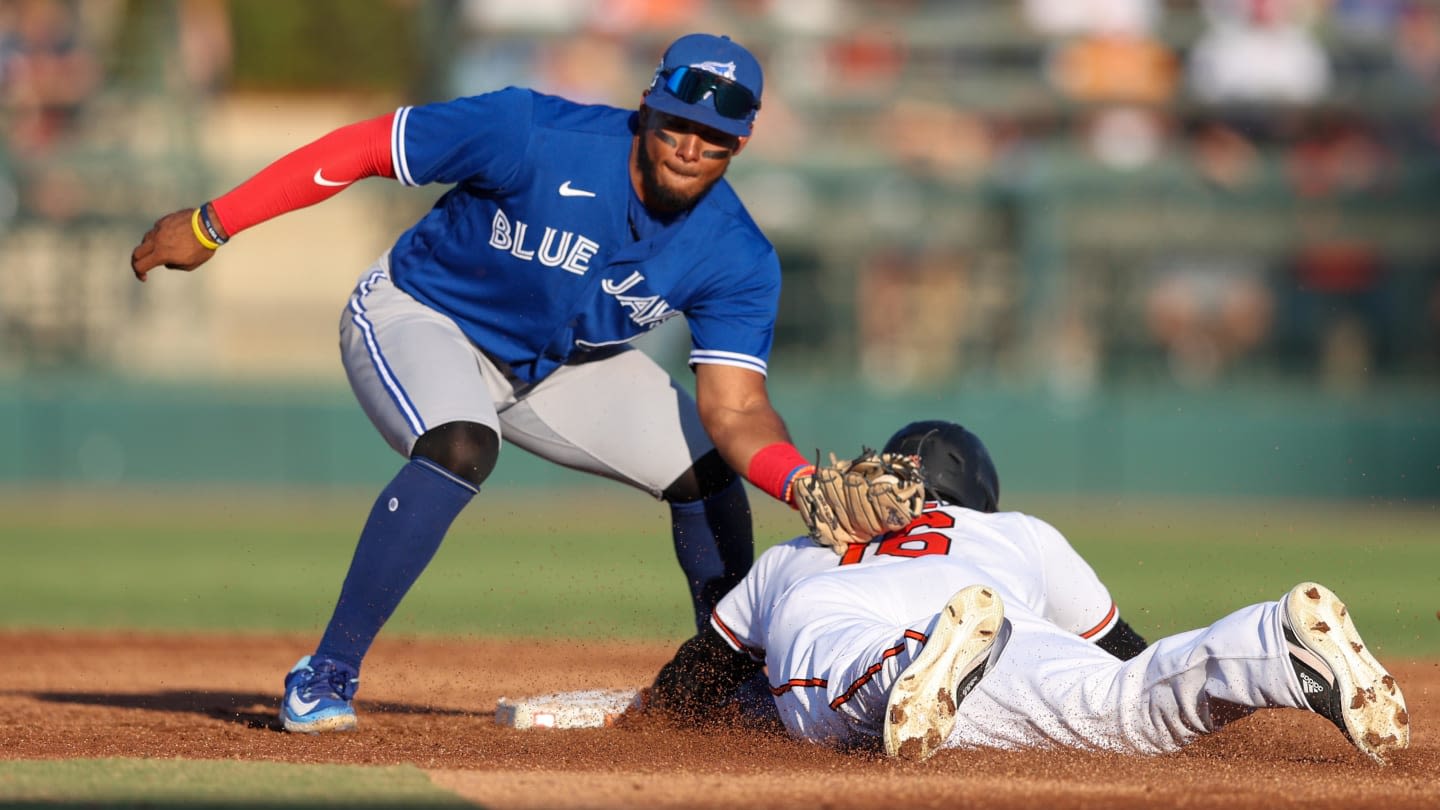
{"x": 921, "y": 710}
{"x": 1341, "y": 680}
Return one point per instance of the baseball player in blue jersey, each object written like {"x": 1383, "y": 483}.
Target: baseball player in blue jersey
{"x": 973, "y": 627}
{"x": 508, "y": 309}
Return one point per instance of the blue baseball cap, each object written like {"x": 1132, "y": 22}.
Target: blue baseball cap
{"x": 708, "y": 79}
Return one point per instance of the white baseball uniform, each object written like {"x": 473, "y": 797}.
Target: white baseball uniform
{"x": 835, "y": 633}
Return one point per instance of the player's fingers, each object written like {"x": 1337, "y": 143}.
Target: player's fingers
{"x": 142, "y": 260}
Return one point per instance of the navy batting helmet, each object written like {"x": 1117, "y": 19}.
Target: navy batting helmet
{"x": 956, "y": 466}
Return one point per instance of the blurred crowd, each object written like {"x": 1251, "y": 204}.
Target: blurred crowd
{"x": 1195, "y": 190}
{"x": 57, "y": 58}
{"x": 48, "y": 72}
{"x": 1297, "y": 111}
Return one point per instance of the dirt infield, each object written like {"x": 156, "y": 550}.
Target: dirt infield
{"x": 430, "y": 704}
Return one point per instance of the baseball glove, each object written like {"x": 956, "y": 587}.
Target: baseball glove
{"x": 857, "y": 500}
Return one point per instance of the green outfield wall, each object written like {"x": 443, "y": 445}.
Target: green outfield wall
{"x": 1249, "y": 441}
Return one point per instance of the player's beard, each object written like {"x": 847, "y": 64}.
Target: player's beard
{"x": 659, "y": 198}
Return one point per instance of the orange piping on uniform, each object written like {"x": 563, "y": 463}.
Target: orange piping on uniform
{"x": 1104, "y": 623}
{"x": 870, "y": 673}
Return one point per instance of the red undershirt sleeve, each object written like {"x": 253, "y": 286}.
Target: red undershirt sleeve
{"x": 311, "y": 174}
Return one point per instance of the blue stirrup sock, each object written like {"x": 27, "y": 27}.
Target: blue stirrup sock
{"x": 715, "y": 544}
{"x": 404, "y": 531}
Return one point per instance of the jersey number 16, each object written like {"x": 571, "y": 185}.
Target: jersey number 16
{"x": 911, "y": 541}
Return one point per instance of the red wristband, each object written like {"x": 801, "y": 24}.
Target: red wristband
{"x": 775, "y": 467}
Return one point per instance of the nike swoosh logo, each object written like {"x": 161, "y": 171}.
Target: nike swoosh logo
{"x": 567, "y": 191}
{"x": 302, "y": 707}
{"x": 321, "y": 181}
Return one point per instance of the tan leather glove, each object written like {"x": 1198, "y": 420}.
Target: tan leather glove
{"x": 855, "y": 501}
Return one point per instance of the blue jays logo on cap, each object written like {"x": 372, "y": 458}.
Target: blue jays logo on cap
{"x": 726, "y": 69}
{"x": 708, "y": 79}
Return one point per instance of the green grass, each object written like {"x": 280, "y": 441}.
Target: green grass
{"x": 127, "y": 783}
{"x": 1173, "y": 567}
{"x": 599, "y": 562}
{"x": 265, "y": 561}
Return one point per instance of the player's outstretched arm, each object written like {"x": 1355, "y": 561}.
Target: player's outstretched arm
{"x": 186, "y": 239}
{"x": 842, "y": 503}
{"x": 747, "y": 430}
{"x": 701, "y": 679}
{"x": 736, "y": 411}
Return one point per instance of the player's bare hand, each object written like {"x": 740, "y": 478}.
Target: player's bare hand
{"x": 170, "y": 242}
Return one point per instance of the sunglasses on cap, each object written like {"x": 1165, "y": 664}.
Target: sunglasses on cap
{"x": 691, "y": 85}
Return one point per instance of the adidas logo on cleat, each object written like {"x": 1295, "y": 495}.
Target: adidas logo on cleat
{"x": 1308, "y": 684}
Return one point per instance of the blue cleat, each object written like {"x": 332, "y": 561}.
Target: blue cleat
{"x": 318, "y": 691}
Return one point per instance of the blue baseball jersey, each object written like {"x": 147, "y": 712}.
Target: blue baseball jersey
{"x": 533, "y": 254}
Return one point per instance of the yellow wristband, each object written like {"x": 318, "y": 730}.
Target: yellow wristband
{"x": 204, "y": 238}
